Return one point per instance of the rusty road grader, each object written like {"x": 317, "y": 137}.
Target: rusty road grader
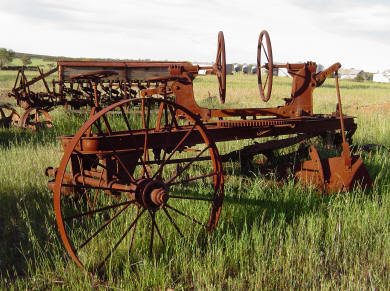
{"x": 145, "y": 165}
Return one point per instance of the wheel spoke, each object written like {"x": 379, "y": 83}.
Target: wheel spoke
{"x": 107, "y": 124}
{"x": 173, "y": 222}
{"x": 120, "y": 240}
{"x": 98, "y": 210}
{"x": 145, "y": 123}
{"x": 98, "y": 126}
{"x": 114, "y": 225}
{"x": 153, "y": 215}
{"x": 219, "y": 79}
{"x": 166, "y": 114}
{"x": 123, "y": 165}
{"x": 96, "y": 162}
{"x": 173, "y": 116}
{"x": 219, "y": 53}
{"x": 151, "y": 236}
{"x": 174, "y": 150}
{"x": 125, "y": 118}
{"x": 265, "y": 51}
{"x": 192, "y": 179}
{"x": 187, "y": 165}
{"x": 185, "y": 215}
{"x": 190, "y": 198}
{"x": 94, "y": 187}
{"x": 266, "y": 80}
{"x": 83, "y": 179}
{"x": 96, "y": 191}
{"x": 103, "y": 226}
{"x": 133, "y": 232}
{"x": 115, "y": 154}
{"x": 159, "y": 116}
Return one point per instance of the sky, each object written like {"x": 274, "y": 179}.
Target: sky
{"x": 355, "y": 33}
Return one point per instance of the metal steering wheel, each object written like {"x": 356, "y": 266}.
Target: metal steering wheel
{"x": 220, "y": 67}
{"x": 265, "y": 86}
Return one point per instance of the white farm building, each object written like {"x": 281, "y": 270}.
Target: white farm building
{"x": 383, "y": 77}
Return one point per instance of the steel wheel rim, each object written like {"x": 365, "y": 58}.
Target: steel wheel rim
{"x": 31, "y": 119}
{"x": 8, "y": 116}
{"x": 215, "y": 207}
{"x": 220, "y": 63}
{"x": 265, "y": 87}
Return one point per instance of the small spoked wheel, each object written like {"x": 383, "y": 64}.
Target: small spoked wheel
{"x": 264, "y": 70}
{"x": 8, "y": 116}
{"x": 35, "y": 119}
{"x": 130, "y": 183}
{"x": 220, "y": 67}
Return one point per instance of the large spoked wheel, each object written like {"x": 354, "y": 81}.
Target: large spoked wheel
{"x": 8, "y": 116}
{"x": 265, "y": 76}
{"x": 220, "y": 67}
{"x": 131, "y": 182}
{"x": 35, "y": 119}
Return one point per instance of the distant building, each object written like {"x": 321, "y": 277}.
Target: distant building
{"x": 229, "y": 68}
{"x": 275, "y": 71}
{"x": 245, "y": 69}
{"x": 381, "y": 77}
{"x": 350, "y": 73}
{"x": 320, "y": 68}
{"x": 283, "y": 72}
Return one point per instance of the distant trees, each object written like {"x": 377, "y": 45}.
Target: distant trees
{"x": 364, "y": 76}
{"x": 359, "y": 78}
{"x": 26, "y": 60}
{"x": 6, "y": 56}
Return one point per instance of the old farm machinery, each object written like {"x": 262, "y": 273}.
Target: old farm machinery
{"x": 141, "y": 169}
{"x": 8, "y": 116}
{"x": 75, "y": 92}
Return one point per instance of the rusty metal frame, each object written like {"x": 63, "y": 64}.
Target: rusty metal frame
{"x": 106, "y": 160}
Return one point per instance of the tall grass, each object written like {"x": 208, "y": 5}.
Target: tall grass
{"x": 269, "y": 236}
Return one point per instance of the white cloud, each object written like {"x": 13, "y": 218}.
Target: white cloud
{"x": 356, "y": 33}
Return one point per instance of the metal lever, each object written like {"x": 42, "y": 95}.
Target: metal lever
{"x": 346, "y": 152}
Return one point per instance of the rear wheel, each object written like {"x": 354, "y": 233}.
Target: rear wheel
{"x": 136, "y": 178}
{"x": 35, "y": 119}
{"x": 8, "y": 116}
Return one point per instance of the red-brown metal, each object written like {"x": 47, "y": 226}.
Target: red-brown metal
{"x": 138, "y": 173}
{"x": 265, "y": 86}
{"x": 140, "y": 163}
{"x": 332, "y": 175}
{"x": 219, "y": 67}
{"x": 8, "y": 116}
{"x": 339, "y": 173}
{"x": 79, "y": 83}
{"x": 23, "y": 94}
{"x": 35, "y": 118}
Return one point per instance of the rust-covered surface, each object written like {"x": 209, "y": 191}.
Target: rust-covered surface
{"x": 125, "y": 71}
{"x": 142, "y": 161}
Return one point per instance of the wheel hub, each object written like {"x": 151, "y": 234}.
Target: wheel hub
{"x": 151, "y": 194}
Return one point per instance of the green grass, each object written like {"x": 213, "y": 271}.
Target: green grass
{"x": 268, "y": 237}
{"x": 34, "y": 62}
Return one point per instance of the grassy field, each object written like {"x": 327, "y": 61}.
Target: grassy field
{"x": 34, "y": 62}
{"x": 268, "y": 237}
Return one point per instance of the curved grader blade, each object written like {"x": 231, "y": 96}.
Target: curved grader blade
{"x": 334, "y": 175}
